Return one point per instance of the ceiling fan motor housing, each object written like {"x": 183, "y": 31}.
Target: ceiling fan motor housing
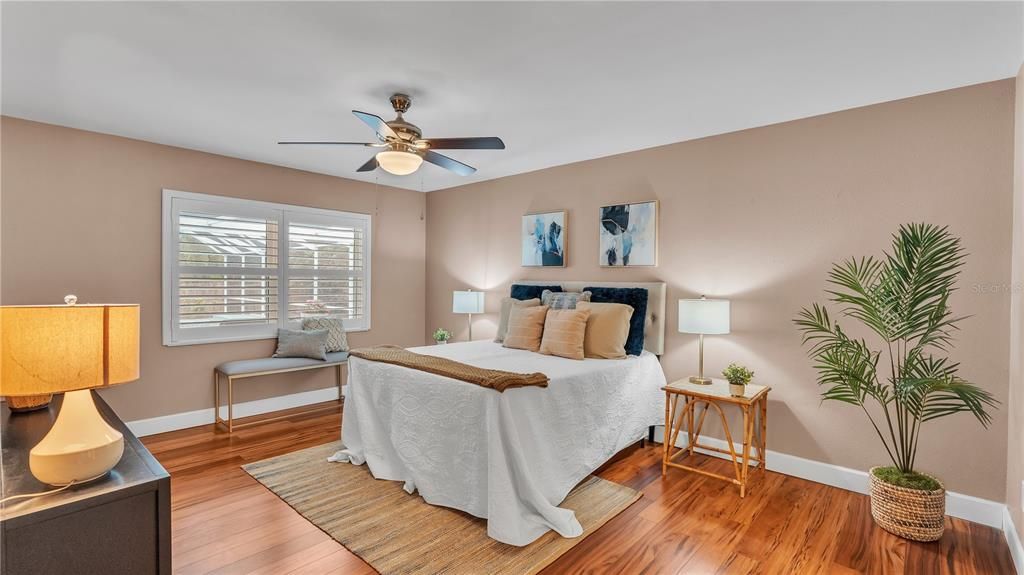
{"x": 405, "y": 130}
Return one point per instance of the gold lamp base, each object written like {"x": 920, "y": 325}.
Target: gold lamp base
{"x": 699, "y": 379}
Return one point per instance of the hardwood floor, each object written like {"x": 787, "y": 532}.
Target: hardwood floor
{"x": 223, "y": 521}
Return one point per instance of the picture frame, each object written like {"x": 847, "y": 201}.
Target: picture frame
{"x": 628, "y": 235}
{"x": 544, "y": 239}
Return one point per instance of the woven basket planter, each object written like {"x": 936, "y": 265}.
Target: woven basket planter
{"x": 909, "y": 513}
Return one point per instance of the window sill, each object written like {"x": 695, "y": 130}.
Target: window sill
{"x": 205, "y": 341}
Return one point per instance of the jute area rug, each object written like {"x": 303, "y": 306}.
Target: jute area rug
{"x": 399, "y": 533}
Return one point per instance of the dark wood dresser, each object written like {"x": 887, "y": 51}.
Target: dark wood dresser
{"x": 118, "y": 524}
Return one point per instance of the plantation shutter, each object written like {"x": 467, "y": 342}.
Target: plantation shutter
{"x": 327, "y": 268}
{"x": 238, "y": 269}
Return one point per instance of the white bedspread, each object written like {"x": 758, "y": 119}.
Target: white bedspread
{"x": 508, "y": 457}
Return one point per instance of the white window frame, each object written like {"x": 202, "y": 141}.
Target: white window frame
{"x": 175, "y": 201}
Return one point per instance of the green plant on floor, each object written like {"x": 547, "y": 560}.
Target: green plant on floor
{"x": 902, "y": 299}
{"x": 441, "y": 334}
{"x": 737, "y": 374}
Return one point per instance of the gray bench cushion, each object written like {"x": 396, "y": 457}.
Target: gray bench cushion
{"x": 277, "y": 363}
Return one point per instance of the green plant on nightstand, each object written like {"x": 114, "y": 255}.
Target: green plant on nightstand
{"x": 441, "y": 335}
{"x": 738, "y": 377}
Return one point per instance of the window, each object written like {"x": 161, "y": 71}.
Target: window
{"x": 239, "y": 269}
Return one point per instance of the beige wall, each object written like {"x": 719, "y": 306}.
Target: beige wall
{"x": 1015, "y": 404}
{"x": 81, "y": 214}
{"x": 757, "y": 216}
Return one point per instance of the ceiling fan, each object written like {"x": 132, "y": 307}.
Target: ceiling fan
{"x": 404, "y": 148}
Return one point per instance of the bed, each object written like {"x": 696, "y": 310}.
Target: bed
{"x": 508, "y": 457}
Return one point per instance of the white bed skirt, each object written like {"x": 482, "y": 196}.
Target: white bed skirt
{"x": 508, "y": 457}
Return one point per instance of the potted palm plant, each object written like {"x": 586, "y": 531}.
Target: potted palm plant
{"x": 899, "y": 375}
{"x": 738, "y": 377}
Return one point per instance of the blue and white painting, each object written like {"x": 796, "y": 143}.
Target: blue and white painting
{"x": 629, "y": 235}
{"x": 544, "y": 239}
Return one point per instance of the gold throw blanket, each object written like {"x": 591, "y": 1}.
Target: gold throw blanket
{"x": 489, "y": 378}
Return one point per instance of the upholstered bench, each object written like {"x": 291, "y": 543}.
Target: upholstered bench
{"x": 244, "y": 368}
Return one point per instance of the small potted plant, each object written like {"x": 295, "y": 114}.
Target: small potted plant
{"x": 738, "y": 377}
{"x": 441, "y": 336}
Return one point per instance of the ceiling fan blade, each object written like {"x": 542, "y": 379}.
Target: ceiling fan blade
{"x": 448, "y": 163}
{"x": 370, "y": 144}
{"x": 463, "y": 143}
{"x": 377, "y": 124}
{"x": 369, "y": 166}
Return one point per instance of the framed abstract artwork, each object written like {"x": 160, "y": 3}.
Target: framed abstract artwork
{"x": 628, "y": 235}
{"x": 544, "y": 239}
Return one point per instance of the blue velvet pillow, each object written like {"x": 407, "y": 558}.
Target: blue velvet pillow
{"x": 633, "y": 297}
{"x": 520, "y": 291}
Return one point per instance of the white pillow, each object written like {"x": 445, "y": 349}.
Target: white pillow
{"x": 563, "y": 299}
{"x": 337, "y": 340}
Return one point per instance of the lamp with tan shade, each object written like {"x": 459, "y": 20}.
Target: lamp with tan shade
{"x": 70, "y": 349}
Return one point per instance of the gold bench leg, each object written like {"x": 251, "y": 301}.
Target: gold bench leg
{"x": 216, "y": 398}
{"x": 218, "y": 421}
{"x": 231, "y": 404}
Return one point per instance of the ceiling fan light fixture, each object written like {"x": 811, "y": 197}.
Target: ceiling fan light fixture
{"x": 399, "y": 163}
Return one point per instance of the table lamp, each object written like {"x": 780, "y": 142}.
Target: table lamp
{"x": 70, "y": 349}
{"x": 468, "y": 302}
{"x": 704, "y": 317}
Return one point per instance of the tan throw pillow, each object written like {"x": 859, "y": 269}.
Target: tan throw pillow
{"x": 607, "y": 329}
{"x": 525, "y": 327}
{"x": 564, "y": 331}
{"x": 506, "y": 306}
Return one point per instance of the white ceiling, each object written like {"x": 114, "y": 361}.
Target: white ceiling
{"x": 558, "y": 82}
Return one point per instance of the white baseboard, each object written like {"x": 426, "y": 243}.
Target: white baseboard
{"x": 173, "y": 422}
{"x": 1013, "y": 540}
{"x": 967, "y": 507}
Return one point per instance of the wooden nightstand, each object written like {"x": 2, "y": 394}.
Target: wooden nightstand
{"x": 753, "y": 405}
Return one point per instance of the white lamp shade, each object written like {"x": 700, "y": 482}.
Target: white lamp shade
{"x": 706, "y": 316}
{"x": 399, "y": 163}
{"x": 468, "y": 302}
